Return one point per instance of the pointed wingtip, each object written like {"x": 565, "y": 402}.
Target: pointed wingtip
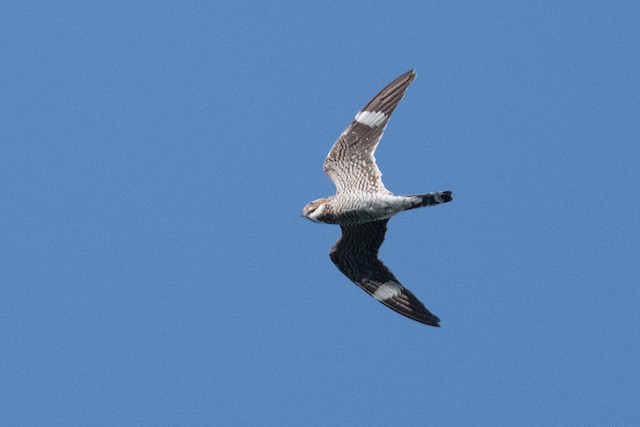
{"x": 435, "y": 322}
{"x": 427, "y": 318}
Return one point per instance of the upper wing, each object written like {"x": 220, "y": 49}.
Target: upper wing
{"x": 356, "y": 256}
{"x": 351, "y": 164}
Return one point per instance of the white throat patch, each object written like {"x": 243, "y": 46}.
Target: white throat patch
{"x": 317, "y": 213}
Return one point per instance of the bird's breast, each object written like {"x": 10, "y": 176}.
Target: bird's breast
{"x": 358, "y": 208}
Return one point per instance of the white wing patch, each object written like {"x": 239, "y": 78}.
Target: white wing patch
{"x": 387, "y": 291}
{"x": 371, "y": 119}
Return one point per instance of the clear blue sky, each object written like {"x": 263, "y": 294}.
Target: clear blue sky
{"x": 154, "y": 161}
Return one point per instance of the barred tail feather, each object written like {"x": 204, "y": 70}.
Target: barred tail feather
{"x": 430, "y": 199}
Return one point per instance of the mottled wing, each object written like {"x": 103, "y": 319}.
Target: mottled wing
{"x": 351, "y": 164}
{"x": 356, "y": 256}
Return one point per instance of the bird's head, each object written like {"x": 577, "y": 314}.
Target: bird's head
{"x": 317, "y": 210}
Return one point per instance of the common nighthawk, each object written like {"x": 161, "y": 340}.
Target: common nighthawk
{"x": 362, "y": 205}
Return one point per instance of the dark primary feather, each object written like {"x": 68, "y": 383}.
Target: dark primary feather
{"x": 388, "y": 98}
{"x": 356, "y": 256}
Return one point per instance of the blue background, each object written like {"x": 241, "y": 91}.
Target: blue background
{"x": 155, "y": 158}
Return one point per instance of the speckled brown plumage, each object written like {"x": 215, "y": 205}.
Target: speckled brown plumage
{"x": 351, "y": 163}
{"x": 362, "y": 205}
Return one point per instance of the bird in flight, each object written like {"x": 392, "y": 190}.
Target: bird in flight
{"x": 362, "y": 205}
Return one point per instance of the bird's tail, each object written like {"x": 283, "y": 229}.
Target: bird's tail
{"x": 429, "y": 199}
